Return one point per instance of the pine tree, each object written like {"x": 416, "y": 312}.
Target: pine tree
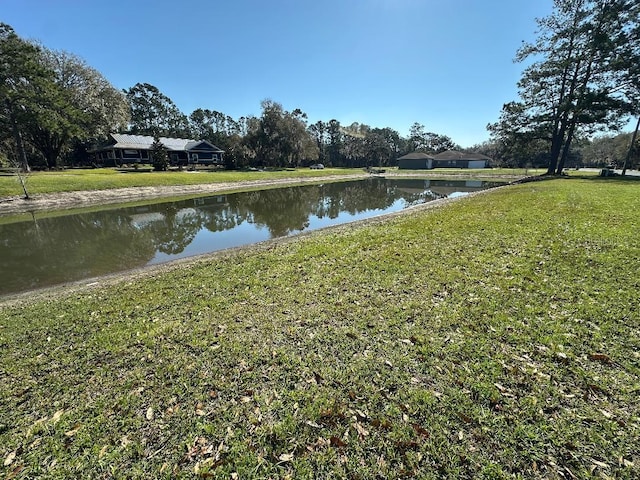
{"x": 573, "y": 84}
{"x": 159, "y": 155}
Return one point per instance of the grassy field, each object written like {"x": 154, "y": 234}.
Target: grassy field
{"x": 497, "y": 336}
{"x": 108, "y": 178}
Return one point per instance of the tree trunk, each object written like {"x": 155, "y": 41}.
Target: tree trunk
{"x": 52, "y": 158}
{"x": 23, "y": 164}
{"x": 556, "y": 147}
{"x": 49, "y": 145}
{"x": 567, "y": 90}
{"x": 561, "y": 139}
{"x": 567, "y": 147}
{"x": 633, "y": 142}
{"x": 17, "y": 137}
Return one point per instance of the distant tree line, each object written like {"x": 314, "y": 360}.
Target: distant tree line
{"x": 277, "y": 138}
{"x": 55, "y": 108}
{"x": 603, "y": 150}
{"x": 582, "y": 79}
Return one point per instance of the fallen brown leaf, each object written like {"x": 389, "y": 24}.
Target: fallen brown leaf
{"x": 56, "y": 416}
{"x": 361, "y": 430}
{"x": 600, "y": 357}
{"x": 337, "y": 442}
{"x": 420, "y": 430}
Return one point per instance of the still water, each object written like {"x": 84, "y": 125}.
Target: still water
{"x": 55, "y": 249}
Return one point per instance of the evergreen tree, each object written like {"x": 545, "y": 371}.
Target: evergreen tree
{"x": 580, "y": 59}
{"x": 159, "y": 155}
{"x": 152, "y": 112}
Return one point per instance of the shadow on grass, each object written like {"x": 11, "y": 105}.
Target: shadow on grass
{"x": 132, "y": 170}
{"x": 615, "y": 179}
{"x": 576, "y": 176}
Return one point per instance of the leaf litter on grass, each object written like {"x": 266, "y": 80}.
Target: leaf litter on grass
{"x": 452, "y": 344}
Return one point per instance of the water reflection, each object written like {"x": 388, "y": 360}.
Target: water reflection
{"x": 53, "y": 250}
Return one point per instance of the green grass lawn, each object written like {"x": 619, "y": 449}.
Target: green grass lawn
{"x": 494, "y": 337}
{"x": 108, "y": 178}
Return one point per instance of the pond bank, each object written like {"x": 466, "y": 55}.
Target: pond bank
{"x": 494, "y": 337}
{"x": 135, "y": 272}
{"x": 66, "y": 200}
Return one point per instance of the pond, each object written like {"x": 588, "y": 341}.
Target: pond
{"x": 51, "y": 249}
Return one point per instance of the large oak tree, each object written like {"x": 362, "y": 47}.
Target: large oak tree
{"x": 83, "y": 106}
{"x": 24, "y": 82}
{"x": 51, "y": 99}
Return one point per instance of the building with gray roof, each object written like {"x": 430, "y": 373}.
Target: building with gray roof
{"x": 448, "y": 159}
{"x": 121, "y": 148}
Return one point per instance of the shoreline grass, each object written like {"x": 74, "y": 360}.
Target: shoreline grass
{"x": 497, "y": 336}
{"x": 109, "y": 178}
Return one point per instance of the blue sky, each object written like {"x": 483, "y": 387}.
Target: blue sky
{"x": 447, "y": 64}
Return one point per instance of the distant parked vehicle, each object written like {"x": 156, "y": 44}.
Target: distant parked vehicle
{"x": 317, "y": 166}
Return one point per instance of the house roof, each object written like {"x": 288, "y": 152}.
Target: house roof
{"x": 416, "y": 156}
{"x": 455, "y": 155}
{"x": 144, "y": 142}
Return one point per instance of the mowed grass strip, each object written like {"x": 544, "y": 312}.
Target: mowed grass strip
{"x": 108, "y": 178}
{"x": 494, "y": 337}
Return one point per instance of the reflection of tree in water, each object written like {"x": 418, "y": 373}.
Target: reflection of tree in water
{"x": 60, "y": 249}
{"x": 287, "y": 210}
{"x": 219, "y": 218}
{"x": 176, "y": 230}
{"x": 415, "y": 191}
{"x": 356, "y": 197}
{"x": 282, "y": 211}
{"x": 362, "y": 196}
{"x": 54, "y": 250}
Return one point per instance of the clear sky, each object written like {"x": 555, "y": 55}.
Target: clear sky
{"x": 447, "y": 64}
